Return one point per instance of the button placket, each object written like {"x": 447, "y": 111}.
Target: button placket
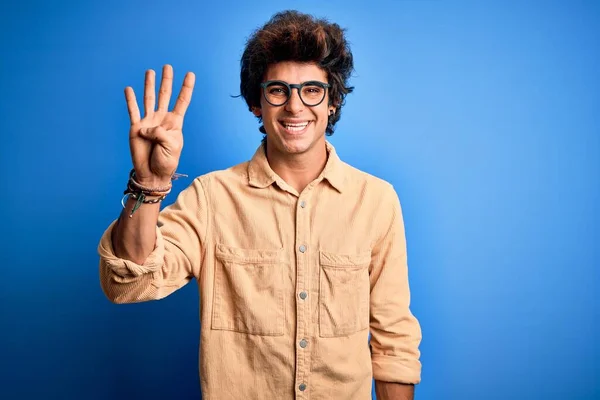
{"x": 303, "y": 312}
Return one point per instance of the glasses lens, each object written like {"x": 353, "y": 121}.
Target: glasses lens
{"x": 276, "y": 93}
{"x": 313, "y": 94}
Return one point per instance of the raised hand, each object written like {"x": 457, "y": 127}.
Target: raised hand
{"x": 156, "y": 140}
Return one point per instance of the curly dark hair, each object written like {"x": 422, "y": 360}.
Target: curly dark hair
{"x": 294, "y": 36}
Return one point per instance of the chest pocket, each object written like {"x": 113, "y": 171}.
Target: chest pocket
{"x": 248, "y": 291}
{"x": 343, "y": 293}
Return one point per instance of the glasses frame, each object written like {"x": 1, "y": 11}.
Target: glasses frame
{"x": 298, "y": 86}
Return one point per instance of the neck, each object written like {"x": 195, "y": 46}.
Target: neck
{"x": 298, "y": 170}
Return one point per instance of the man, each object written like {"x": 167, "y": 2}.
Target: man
{"x": 298, "y": 256}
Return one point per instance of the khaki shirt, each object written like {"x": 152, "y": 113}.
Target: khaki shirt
{"x": 291, "y": 284}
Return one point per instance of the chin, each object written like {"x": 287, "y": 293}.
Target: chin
{"x": 293, "y": 146}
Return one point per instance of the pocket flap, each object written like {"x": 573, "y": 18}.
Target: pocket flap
{"x": 345, "y": 260}
{"x": 249, "y": 256}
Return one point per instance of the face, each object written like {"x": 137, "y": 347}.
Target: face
{"x": 295, "y": 128}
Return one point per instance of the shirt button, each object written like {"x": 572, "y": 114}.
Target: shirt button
{"x": 303, "y": 343}
{"x": 302, "y": 204}
{"x": 302, "y": 387}
{"x": 303, "y": 295}
{"x": 302, "y": 248}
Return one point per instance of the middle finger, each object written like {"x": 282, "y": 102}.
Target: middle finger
{"x": 166, "y": 84}
{"x": 149, "y": 96}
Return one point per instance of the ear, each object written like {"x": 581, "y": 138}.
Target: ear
{"x": 256, "y": 111}
{"x": 331, "y": 110}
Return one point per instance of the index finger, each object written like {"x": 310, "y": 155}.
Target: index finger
{"x": 185, "y": 94}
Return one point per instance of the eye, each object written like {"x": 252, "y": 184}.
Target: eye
{"x": 312, "y": 90}
{"x": 277, "y": 90}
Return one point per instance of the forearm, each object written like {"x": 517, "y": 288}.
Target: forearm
{"x": 134, "y": 238}
{"x": 395, "y": 332}
{"x": 394, "y": 391}
{"x": 136, "y": 264}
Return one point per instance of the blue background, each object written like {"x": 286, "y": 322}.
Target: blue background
{"x": 484, "y": 116}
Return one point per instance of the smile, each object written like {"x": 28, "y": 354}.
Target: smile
{"x": 296, "y": 127}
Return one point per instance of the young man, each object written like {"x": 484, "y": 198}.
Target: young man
{"x": 298, "y": 256}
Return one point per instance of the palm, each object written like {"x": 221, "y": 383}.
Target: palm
{"x": 152, "y": 158}
{"x": 157, "y": 139}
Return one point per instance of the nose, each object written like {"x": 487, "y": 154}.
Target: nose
{"x": 294, "y": 104}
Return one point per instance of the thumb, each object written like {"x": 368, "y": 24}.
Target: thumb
{"x": 155, "y": 134}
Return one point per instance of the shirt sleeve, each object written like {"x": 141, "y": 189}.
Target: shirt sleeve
{"x": 175, "y": 260}
{"x": 395, "y": 332}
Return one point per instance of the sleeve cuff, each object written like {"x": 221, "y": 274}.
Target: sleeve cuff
{"x": 395, "y": 369}
{"x": 126, "y": 268}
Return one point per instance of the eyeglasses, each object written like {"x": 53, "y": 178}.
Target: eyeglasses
{"x": 311, "y": 93}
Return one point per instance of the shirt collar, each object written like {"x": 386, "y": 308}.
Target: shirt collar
{"x": 260, "y": 174}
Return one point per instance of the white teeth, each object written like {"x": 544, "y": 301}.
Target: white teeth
{"x": 295, "y": 127}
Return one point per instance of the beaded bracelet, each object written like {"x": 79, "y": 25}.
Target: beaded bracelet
{"x": 137, "y": 185}
{"x": 140, "y": 198}
{"x": 143, "y": 194}
{"x": 133, "y": 188}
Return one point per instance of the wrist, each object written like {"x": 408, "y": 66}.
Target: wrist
{"x": 151, "y": 191}
{"x": 153, "y": 182}
{"x": 150, "y": 183}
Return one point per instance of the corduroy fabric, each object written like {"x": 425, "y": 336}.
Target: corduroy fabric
{"x": 291, "y": 284}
